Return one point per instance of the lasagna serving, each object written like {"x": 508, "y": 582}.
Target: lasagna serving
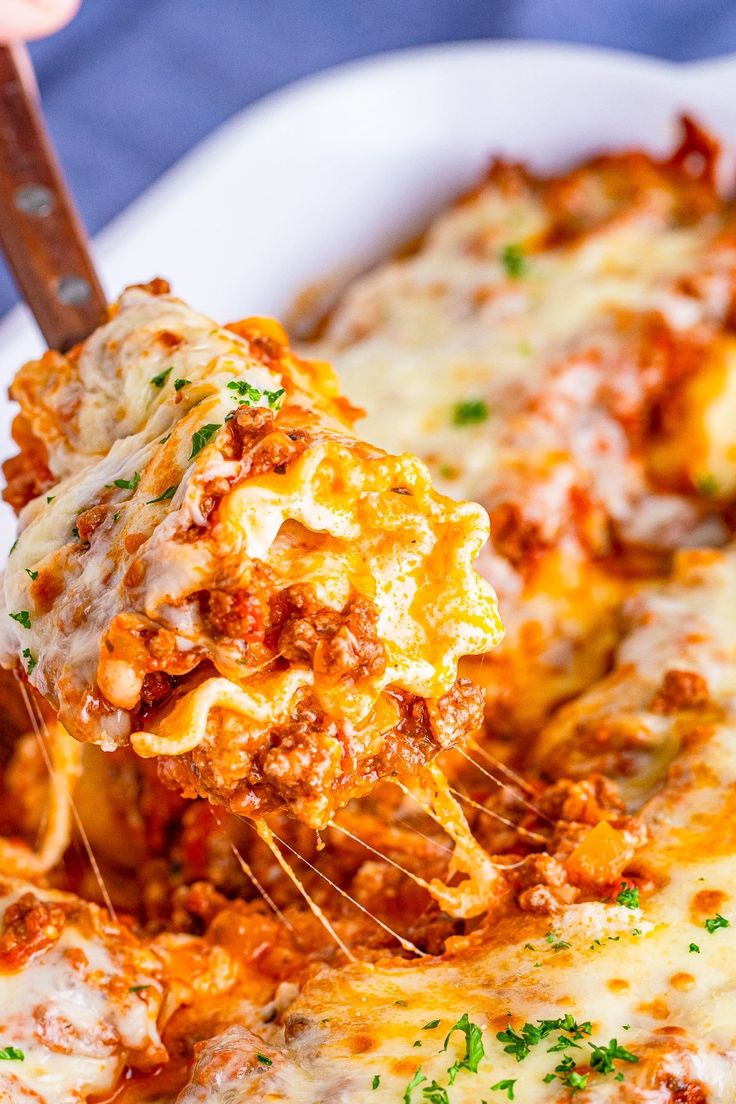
{"x": 261, "y": 840}
{"x": 212, "y": 569}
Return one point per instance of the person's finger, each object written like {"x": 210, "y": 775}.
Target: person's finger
{"x": 24, "y": 19}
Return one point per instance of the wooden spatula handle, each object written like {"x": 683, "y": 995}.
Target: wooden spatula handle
{"x": 40, "y": 231}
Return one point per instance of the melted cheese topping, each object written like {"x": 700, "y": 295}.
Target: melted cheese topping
{"x": 558, "y": 350}
{"x": 79, "y": 1006}
{"x": 652, "y": 976}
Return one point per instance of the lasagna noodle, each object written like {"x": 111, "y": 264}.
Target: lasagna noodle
{"x": 216, "y": 571}
{"x": 61, "y": 759}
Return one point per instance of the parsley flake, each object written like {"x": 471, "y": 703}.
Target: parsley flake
{"x": 603, "y": 1057}
{"x": 415, "y": 1081}
{"x": 23, "y": 618}
{"x": 161, "y": 378}
{"x": 520, "y": 1043}
{"x": 247, "y": 392}
{"x": 138, "y": 988}
{"x": 507, "y": 1086}
{"x": 435, "y": 1094}
{"x": 202, "y": 436}
{"x": 513, "y": 260}
{"x": 50, "y": 498}
{"x": 33, "y": 575}
{"x": 13, "y": 546}
{"x": 431, "y": 1025}
{"x": 273, "y": 397}
{"x": 32, "y": 661}
{"x": 376, "y": 1081}
{"x": 165, "y": 496}
{"x": 470, "y": 412}
{"x": 11, "y": 1054}
{"x": 706, "y": 485}
{"x": 576, "y": 1081}
{"x": 628, "y": 896}
{"x": 179, "y": 383}
{"x": 712, "y": 924}
{"x": 694, "y": 948}
{"x": 263, "y": 1059}
{"x": 125, "y": 484}
{"x": 474, "y": 1049}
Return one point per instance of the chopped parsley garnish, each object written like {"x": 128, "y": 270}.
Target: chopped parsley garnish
{"x": 556, "y": 943}
{"x": 712, "y": 924}
{"x": 125, "y": 484}
{"x": 138, "y": 988}
{"x": 516, "y": 1044}
{"x": 50, "y": 498}
{"x": 474, "y": 1049}
{"x": 563, "y": 1043}
{"x": 694, "y": 948}
{"x": 513, "y": 260}
{"x": 628, "y": 896}
{"x": 376, "y": 1081}
{"x": 576, "y": 1081}
{"x": 33, "y": 575}
{"x": 75, "y": 533}
{"x": 435, "y": 1094}
{"x": 23, "y": 618}
{"x": 13, "y": 546}
{"x": 164, "y": 439}
{"x": 706, "y": 485}
{"x": 431, "y": 1025}
{"x": 165, "y": 496}
{"x": 520, "y": 1043}
{"x": 415, "y": 1081}
{"x": 32, "y": 661}
{"x": 417, "y": 1043}
{"x": 566, "y": 1072}
{"x": 161, "y": 378}
{"x": 603, "y": 1057}
{"x": 11, "y": 1054}
{"x": 272, "y": 398}
{"x": 202, "y": 436}
{"x": 263, "y": 1059}
{"x": 179, "y": 383}
{"x": 248, "y": 393}
{"x": 469, "y": 412}
{"x": 507, "y": 1086}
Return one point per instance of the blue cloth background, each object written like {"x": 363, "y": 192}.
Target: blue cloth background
{"x": 131, "y": 85}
